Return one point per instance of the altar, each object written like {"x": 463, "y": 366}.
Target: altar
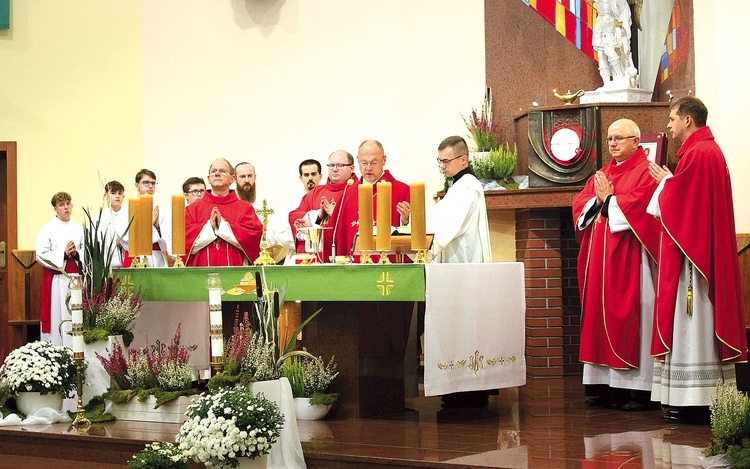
{"x": 474, "y": 322}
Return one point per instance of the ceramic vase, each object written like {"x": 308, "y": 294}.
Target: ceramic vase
{"x": 29, "y": 402}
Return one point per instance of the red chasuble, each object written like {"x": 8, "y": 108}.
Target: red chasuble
{"x": 609, "y": 266}
{"x": 240, "y": 216}
{"x": 697, "y": 214}
{"x": 344, "y": 221}
{"x": 399, "y": 193}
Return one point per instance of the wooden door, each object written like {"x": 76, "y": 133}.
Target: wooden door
{"x": 8, "y": 237}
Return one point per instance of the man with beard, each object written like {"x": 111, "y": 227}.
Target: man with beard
{"x": 279, "y": 232}
{"x": 333, "y": 206}
{"x": 220, "y": 229}
{"x": 245, "y": 173}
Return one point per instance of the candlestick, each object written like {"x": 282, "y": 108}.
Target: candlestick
{"x": 178, "y": 224}
{"x": 216, "y": 336}
{"x": 133, "y": 231}
{"x": 383, "y": 242}
{"x": 418, "y": 228}
{"x": 366, "y": 240}
{"x": 146, "y": 212}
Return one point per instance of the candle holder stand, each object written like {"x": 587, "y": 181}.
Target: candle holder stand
{"x": 364, "y": 258}
{"x": 81, "y": 424}
{"x": 421, "y": 257}
{"x": 384, "y": 258}
{"x": 178, "y": 261}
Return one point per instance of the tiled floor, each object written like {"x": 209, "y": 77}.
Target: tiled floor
{"x": 545, "y": 424}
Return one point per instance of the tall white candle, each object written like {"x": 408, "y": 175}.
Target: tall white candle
{"x": 77, "y": 344}
{"x": 217, "y": 347}
{"x": 214, "y": 296}
{"x": 215, "y": 318}
{"x": 77, "y": 316}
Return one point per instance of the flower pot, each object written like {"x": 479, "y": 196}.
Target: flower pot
{"x": 97, "y": 379}
{"x": 171, "y": 412}
{"x": 30, "y": 402}
{"x": 306, "y": 411}
{"x": 261, "y": 462}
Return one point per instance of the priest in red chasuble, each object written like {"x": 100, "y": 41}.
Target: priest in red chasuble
{"x": 332, "y": 206}
{"x": 220, "y": 229}
{"x": 371, "y": 158}
{"x": 699, "y": 318}
{"x": 619, "y": 244}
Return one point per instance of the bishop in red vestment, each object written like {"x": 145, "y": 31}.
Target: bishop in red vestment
{"x": 220, "y": 229}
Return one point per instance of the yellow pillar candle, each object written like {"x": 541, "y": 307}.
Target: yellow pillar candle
{"x": 133, "y": 233}
{"x": 178, "y": 224}
{"x": 418, "y": 228}
{"x": 366, "y": 240}
{"x": 146, "y": 211}
{"x": 383, "y": 242}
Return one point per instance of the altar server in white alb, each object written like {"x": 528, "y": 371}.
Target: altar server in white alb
{"x": 459, "y": 220}
{"x": 59, "y": 245}
{"x": 113, "y": 222}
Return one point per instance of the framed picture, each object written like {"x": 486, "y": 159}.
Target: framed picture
{"x": 655, "y": 145}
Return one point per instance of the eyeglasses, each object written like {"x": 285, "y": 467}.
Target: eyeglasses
{"x": 218, "y": 171}
{"x": 149, "y": 183}
{"x": 618, "y": 139}
{"x": 196, "y": 192}
{"x": 370, "y": 163}
{"x": 338, "y": 165}
{"x": 448, "y": 160}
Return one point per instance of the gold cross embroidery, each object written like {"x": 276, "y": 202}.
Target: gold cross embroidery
{"x": 385, "y": 283}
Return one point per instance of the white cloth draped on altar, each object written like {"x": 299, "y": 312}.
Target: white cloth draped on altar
{"x": 474, "y": 327}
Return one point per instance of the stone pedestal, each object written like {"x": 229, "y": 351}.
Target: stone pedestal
{"x": 619, "y": 95}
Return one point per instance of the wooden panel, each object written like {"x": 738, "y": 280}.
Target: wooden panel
{"x": 18, "y": 309}
{"x": 8, "y": 234}
{"x": 743, "y": 249}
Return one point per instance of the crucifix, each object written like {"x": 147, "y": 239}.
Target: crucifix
{"x": 265, "y": 257}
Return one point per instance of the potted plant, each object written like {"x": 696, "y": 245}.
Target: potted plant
{"x": 310, "y": 379}
{"x": 40, "y": 374}
{"x": 155, "y": 375}
{"x": 160, "y": 455}
{"x": 226, "y": 427}
{"x": 503, "y": 163}
{"x": 482, "y": 128}
{"x": 730, "y": 427}
{"x": 251, "y": 356}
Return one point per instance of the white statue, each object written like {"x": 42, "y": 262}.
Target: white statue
{"x": 612, "y": 42}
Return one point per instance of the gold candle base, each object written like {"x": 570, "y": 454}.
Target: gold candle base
{"x": 178, "y": 261}
{"x": 217, "y": 364}
{"x": 264, "y": 258}
{"x": 144, "y": 262}
{"x": 364, "y": 257}
{"x": 81, "y": 424}
{"x": 384, "y": 258}
{"x": 421, "y": 257}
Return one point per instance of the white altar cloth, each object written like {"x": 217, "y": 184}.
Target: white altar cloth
{"x": 474, "y": 327}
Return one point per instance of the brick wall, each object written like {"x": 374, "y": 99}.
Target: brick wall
{"x": 571, "y": 301}
{"x": 538, "y": 247}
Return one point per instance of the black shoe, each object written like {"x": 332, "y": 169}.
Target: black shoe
{"x": 694, "y": 415}
{"x": 633, "y": 406}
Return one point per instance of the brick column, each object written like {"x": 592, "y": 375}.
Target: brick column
{"x": 571, "y": 298}
{"x": 538, "y": 246}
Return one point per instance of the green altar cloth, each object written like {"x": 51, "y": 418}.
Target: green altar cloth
{"x": 354, "y": 282}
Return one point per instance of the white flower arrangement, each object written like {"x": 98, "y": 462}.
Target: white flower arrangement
{"x": 41, "y": 367}
{"x": 228, "y": 425}
{"x": 160, "y": 455}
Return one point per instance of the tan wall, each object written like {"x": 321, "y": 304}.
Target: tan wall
{"x": 101, "y": 89}
{"x": 71, "y": 91}
{"x": 720, "y": 72}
